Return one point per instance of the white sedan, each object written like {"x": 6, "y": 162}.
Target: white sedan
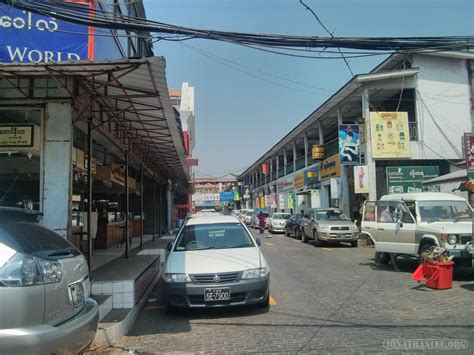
{"x": 215, "y": 262}
{"x": 277, "y": 222}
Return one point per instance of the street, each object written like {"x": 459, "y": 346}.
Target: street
{"x": 324, "y": 300}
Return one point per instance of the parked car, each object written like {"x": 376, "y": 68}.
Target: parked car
{"x": 277, "y": 222}
{"x": 328, "y": 225}
{"x": 214, "y": 262}
{"x": 293, "y": 226}
{"x": 254, "y": 223}
{"x": 247, "y": 218}
{"x": 411, "y": 223}
{"x": 44, "y": 289}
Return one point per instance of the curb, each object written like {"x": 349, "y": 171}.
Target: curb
{"x": 108, "y": 336}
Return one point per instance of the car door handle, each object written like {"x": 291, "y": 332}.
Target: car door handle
{"x": 381, "y": 229}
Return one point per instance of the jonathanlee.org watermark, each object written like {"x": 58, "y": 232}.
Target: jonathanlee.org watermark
{"x": 434, "y": 344}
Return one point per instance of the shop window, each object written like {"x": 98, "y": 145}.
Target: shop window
{"x": 20, "y": 145}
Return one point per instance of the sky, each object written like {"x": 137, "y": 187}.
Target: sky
{"x": 247, "y": 100}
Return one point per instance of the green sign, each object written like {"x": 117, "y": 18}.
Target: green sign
{"x": 410, "y": 178}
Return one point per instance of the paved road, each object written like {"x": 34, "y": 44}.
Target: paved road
{"x": 328, "y": 300}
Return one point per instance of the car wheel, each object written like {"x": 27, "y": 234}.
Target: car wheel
{"x": 298, "y": 233}
{"x": 382, "y": 258}
{"x": 317, "y": 241}
{"x": 286, "y": 232}
{"x": 304, "y": 238}
{"x": 354, "y": 244}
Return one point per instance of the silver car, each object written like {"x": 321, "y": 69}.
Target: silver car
{"x": 44, "y": 288}
{"x": 328, "y": 225}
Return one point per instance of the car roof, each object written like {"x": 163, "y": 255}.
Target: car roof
{"x": 212, "y": 219}
{"x": 422, "y": 196}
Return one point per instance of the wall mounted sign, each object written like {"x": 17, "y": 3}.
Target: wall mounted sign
{"x": 390, "y": 135}
{"x": 409, "y": 178}
{"x": 330, "y": 168}
{"x": 16, "y": 136}
{"x": 469, "y": 153}
{"x": 361, "y": 179}
{"x": 349, "y": 144}
{"x": 299, "y": 180}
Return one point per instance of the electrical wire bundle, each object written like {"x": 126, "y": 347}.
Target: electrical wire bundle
{"x": 279, "y": 44}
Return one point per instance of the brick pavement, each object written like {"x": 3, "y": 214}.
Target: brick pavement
{"x": 329, "y": 300}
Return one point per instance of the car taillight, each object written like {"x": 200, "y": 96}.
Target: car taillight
{"x": 26, "y": 270}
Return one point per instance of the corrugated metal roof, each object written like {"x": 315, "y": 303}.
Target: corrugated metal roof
{"x": 137, "y": 89}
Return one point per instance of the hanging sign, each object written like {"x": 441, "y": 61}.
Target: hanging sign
{"x": 330, "y": 168}
{"x": 317, "y": 152}
{"x": 469, "y": 150}
{"x": 349, "y": 144}
{"x": 16, "y": 136}
{"x": 390, "y": 135}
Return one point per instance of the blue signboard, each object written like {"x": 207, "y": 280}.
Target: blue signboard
{"x": 311, "y": 175}
{"x": 227, "y": 196}
{"x": 27, "y": 37}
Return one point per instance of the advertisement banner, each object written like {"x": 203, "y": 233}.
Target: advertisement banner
{"x": 299, "y": 180}
{"x": 291, "y": 200}
{"x": 285, "y": 183}
{"x": 330, "y": 168}
{"x": 361, "y": 179}
{"x": 349, "y": 144}
{"x": 281, "y": 201}
{"x": 16, "y": 136}
{"x": 267, "y": 201}
{"x": 469, "y": 153}
{"x": 410, "y": 178}
{"x": 315, "y": 199}
{"x": 390, "y": 135}
{"x": 311, "y": 175}
{"x": 236, "y": 196}
{"x": 27, "y": 37}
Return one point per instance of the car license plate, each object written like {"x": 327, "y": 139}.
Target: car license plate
{"x": 77, "y": 294}
{"x": 216, "y": 294}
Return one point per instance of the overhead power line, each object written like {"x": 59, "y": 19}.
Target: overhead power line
{"x": 98, "y": 18}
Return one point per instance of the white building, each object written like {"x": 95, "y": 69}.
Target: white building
{"x": 433, "y": 90}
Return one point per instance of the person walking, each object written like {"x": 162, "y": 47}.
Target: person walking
{"x": 261, "y": 222}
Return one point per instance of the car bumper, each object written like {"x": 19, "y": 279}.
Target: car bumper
{"x": 278, "y": 228}
{"x": 242, "y": 293}
{"x": 71, "y": 336}
{"x": 338, "y": 237}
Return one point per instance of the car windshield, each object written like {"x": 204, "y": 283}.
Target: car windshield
{"x": 213, "y": 236}
{"x": 432, "y": 211}
{"x": 331, "y": 215}
{"x": 281, "y": 216}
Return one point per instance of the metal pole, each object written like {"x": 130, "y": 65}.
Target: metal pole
{"x": 127, "y": 205}
{"x": 160, "y": 214}
{"x": 141, "y": 206}
{"x": 89, "y": 193}
{"x": 154, "y": 206}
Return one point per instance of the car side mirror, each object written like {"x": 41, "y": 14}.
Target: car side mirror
{"x": 257, "y": 240}
{"x": 169, "y": 247}
{"x": 293, "y": 220}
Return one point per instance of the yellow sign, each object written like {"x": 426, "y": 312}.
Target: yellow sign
{"x": 317, "y": 152}
{"x": 330, "y": 168}
{"x": 262, "y": 202}
{"x": 390, "y": 136}
{"x": 299, "y": 180}
{"x": 311, "y": 174}
{"x": 16, "y": 136}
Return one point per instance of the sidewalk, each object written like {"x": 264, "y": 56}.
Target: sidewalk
{"x": 121, "y": 285}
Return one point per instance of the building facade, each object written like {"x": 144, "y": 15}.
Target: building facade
{"x": 383, "y": 132}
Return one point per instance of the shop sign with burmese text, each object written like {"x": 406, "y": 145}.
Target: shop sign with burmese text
{"x": 16, "y": 136}
{"x": 389, "y": 133}
{"x": 469, "y": 149}
{"x": 410, "y": 178}
{"x": 330, "y": 168}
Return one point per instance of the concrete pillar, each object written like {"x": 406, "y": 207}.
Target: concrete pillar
{"x": 305, "y": 149}
{"x": 285, "y": 161}
{"x": 294, "y": 156}
{"x": 277, "y": 164}
{"x": 57, "y": 167}
{"x": 170, "y": 202}
{"x": 344, "y": 203}
{"x": 321, "y": 133}
{"x": 271, "y": 169}
{"x": 369, "y": 161}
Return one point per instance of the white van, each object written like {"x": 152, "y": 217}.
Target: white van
{"x": 410, "y": 223}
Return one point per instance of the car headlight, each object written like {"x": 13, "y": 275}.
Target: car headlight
{"x": 255, "y": 273}
{"x": 26, "y": 270}
{"x": 452, "y": 239}
{"x": 324, "y": 227}
{"x": 176, "y": 278}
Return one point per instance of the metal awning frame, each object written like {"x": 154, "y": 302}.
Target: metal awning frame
{"x": 126, "y": 114}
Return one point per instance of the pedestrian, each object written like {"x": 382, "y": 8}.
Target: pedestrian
{"x": 261, "y": 222}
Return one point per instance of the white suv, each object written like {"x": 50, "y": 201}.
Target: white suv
{"x": 413, "y": 222}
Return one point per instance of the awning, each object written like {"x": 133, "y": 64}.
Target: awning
{"x": 127, "y": 100}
